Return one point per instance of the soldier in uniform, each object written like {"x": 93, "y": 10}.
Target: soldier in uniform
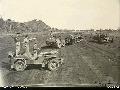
{"x": 18, "y": 43}
{"x": 26, "y": 41}
{"x": 27, "y": 48}
{"x": 18, "y": 46}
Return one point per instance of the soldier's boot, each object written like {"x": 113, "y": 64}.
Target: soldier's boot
{"x": 43, "y": 65}
{"x": 62, "y": 60}
{"x": 11, "y": 67}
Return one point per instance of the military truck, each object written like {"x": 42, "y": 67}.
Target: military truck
{"x": 78, "y": 38}
{"x": 54, "y": 41}
{"x": 69, "y": 40}
{"x": 19, "y": 61}
{"x": 102, "y": 38}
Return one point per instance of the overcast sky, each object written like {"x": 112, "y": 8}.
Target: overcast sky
{"x": 70, "y": 14}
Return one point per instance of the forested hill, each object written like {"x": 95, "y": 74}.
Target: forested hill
{"x": 10, "y": 26}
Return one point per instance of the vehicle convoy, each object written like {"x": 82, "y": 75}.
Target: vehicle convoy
{"x": 19, "y": 61}
{"x": 55, "y": 42}
{"x": 102, "y": 38}
{"x": 71, "y": 39}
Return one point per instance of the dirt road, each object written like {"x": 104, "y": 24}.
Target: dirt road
{"x": 84, "y": 64}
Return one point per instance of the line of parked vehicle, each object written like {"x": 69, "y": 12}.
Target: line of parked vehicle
{"x": 70, "y": 39}
{"x": 50, "y": 59}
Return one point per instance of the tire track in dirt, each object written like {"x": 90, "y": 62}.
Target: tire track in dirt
{"x": 69, "y": 67}
{"x": 60, "y": 76}
{"x": 70, "y": 71}
{"x": 25, "y": 78}
{"x": 29, "y": 78}
{"x": 97, "y": 71}
{"x": 16, "y": 78}
{"x": 103, "y": 52}
{"x": 74, "y": 72}
{"x": 92, "y": 77}
{"x": 37, "y": 77}
{"x": 111, "y": 57}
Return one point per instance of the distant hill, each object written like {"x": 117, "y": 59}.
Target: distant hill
{"x": 10, "y": 26}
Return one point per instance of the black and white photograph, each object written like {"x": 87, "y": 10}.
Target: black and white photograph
{"x": 60, "y": 43}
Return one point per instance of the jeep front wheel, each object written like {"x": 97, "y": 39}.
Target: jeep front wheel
{"x": 53, "y": 65}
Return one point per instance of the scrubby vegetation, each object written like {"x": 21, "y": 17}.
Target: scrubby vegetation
{"x": 10, "y": 26}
